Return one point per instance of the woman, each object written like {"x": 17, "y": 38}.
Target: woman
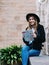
{"x": 35, "y": 47}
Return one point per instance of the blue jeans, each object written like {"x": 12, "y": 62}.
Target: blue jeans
{"x": 26, "y": 52}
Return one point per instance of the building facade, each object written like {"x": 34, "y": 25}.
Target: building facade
{"x": 12, "y": 20}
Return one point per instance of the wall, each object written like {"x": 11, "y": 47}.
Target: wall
{"x": 12, "y": 20}
{"x": 43, "y": 12}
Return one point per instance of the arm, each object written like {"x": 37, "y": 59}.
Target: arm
{"x": 40, "y": 35}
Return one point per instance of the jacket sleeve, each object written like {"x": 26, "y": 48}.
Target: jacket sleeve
{"x": 26, "y": 42}
{"x": 40, "y": 35}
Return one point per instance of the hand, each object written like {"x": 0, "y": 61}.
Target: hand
{"x": 34, "y": 35}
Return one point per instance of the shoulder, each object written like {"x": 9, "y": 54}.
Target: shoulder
{"x": 40, "y": 26}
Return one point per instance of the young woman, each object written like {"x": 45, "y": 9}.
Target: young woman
{"x": 35, "y": 47}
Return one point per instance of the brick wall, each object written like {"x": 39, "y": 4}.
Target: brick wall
{"x": 12, "y": 20}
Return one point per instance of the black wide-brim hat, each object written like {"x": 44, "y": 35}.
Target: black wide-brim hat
{"x": 34, "y": 15}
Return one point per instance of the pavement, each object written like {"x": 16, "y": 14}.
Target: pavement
{"x": 39, "y": 60}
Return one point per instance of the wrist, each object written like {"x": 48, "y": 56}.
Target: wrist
{"x": 30, "y": 42}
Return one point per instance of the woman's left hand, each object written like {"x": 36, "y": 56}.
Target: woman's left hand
{"x": 34, "y": 35}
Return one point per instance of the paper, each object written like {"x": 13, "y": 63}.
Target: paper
{"x": 27, "y": 35}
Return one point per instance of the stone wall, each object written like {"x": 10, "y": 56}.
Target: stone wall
{"x": 43, "y": 12}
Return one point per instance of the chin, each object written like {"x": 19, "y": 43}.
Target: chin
{"x": 31, "y": 25}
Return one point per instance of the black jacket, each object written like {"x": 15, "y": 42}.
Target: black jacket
{"x": 37, "y": 43}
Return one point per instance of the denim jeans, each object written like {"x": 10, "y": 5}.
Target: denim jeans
{"x": 27, "y": 52}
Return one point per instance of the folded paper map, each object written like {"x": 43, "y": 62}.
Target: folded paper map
{"x": 27, "y": 35}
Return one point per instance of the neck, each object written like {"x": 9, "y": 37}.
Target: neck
{"x": 30, "y": 26}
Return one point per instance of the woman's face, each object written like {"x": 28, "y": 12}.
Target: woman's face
{"x": 31, "y": 21}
